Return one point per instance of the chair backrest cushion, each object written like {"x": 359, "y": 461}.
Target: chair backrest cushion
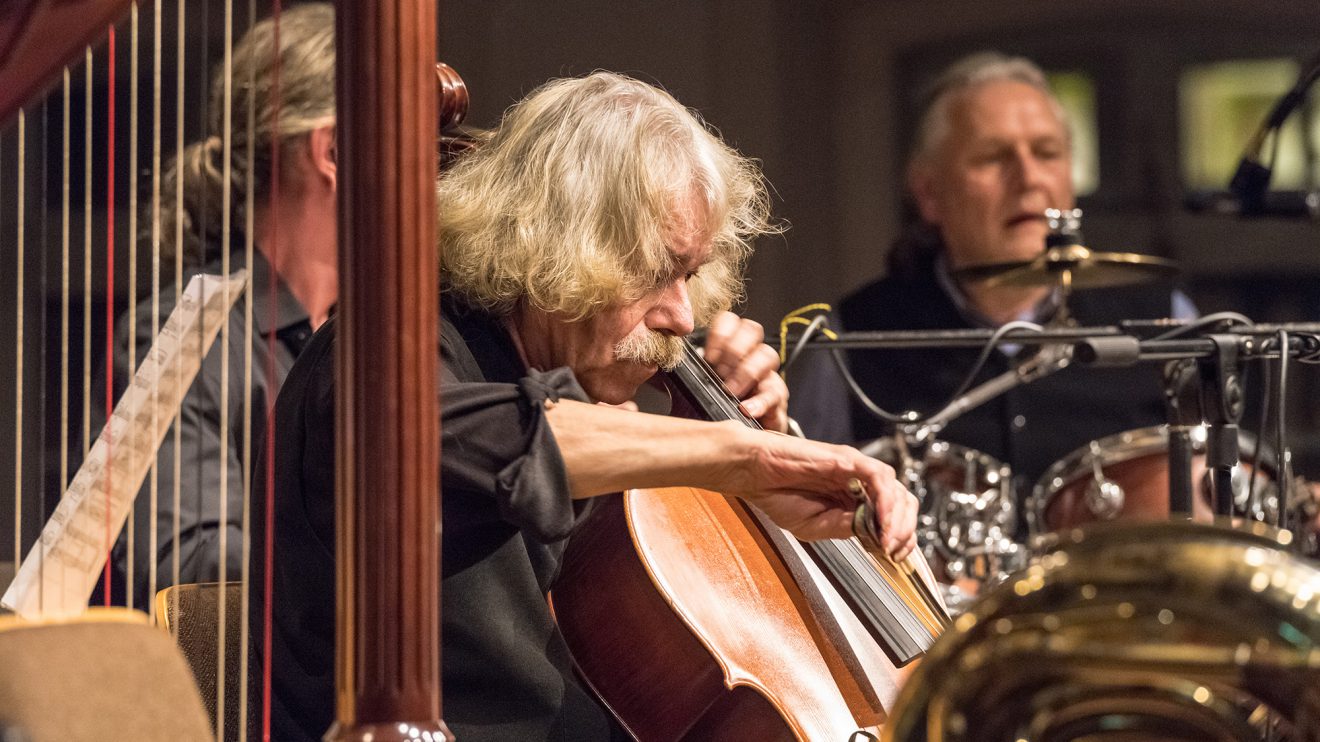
{"x": 107, "y": 675}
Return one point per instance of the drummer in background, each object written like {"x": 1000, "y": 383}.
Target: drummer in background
{"x": 992, "y": 152}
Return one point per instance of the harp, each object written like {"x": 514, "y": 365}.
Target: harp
{"x": 92, "y": 95}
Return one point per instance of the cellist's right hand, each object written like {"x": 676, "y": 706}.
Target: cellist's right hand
{"x": 804, "y": 486}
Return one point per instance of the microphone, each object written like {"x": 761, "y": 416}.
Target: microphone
{"x": 1248, "y": 191}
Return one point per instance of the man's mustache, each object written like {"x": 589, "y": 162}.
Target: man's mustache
{"x": 651, "y": 349}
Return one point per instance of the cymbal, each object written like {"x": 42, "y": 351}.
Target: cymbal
{"x": 1074, "y": 266}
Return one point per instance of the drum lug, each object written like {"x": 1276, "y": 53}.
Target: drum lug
{"x": 1104, "y": 496}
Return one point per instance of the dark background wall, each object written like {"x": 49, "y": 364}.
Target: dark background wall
{"x": 823, "y": 93}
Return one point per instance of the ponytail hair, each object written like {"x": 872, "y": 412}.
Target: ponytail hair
{"x": 306, "y": 102}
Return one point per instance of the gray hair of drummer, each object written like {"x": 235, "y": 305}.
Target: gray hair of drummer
{"x": 570, "y": 207}
{"x": 967, "y": 73}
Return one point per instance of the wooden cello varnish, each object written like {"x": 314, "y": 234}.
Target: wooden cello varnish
{"x": 692, "y": 620}
{"x": 687, "y": 624}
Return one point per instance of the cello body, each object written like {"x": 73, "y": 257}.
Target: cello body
{"x": 687, "y": 622}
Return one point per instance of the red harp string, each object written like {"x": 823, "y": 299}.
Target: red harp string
{"x": 268, "y": 548}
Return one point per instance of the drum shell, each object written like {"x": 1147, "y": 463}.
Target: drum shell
{"x": 1138, "y": 462}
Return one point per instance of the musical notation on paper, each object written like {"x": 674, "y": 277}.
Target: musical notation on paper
{"x": 63, "y": 566}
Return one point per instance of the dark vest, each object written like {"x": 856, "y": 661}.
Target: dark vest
{"x": 1031, "y": 426}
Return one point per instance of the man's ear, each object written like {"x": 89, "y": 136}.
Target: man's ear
{"x": 921, "y": 182}
{"x": 323, "y": 153}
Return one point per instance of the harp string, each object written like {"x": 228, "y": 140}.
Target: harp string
{"x": 43, "y": 397}
{"x": 203, "y": 226}
{"x": 249, "y": 195}
{"x": 109, "y": 291}
{"x": 130, "y": 535}
{"x": 269, "y": 504}
{"x": 19, "y": 319}
{"x": 87, "y": 257}
{"x": 64, "y": 301}
{"x": 17, "y": 482}
{"x": 78, "y": 349}
{"x": 178, "y": 291}
{"x": 226, "y": 196}
{"x": 154, "y": 473}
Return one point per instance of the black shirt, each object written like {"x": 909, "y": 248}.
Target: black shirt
{"x": 200, "y": 436}
{"x": 506, "y": 516}
{"x": 1030, "y": 426}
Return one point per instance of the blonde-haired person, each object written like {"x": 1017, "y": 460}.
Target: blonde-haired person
{"x": 599, "y": 225}
{"x": 294, "y": 245}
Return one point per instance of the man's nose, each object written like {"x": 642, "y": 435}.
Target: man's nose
{"x": 673, "y": 313}
{"x": 1030, "y": 171}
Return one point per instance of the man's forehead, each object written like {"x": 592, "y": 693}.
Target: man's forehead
{"x": 983, "y": 110}
{"x": 688, "y": 237}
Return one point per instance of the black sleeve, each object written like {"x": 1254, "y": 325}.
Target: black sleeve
{"x": 496, "y": 442}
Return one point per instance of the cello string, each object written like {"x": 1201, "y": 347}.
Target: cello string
{"x": 925, "y": 589}
{"x": 913, "y": 578}
{"x": 883, "y": 609}
{"x": 887, "y": 583}
{"x": 915, "y": 595}
{"x": 861, "y": 585}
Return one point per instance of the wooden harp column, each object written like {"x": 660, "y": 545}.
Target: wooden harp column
{"x": 387, "y": 414}
{"x": 388, "y": 425}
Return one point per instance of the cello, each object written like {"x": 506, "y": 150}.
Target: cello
{"x": 692, "y": 616}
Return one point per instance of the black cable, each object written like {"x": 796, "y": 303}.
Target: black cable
{"x": 1207, "y": 320}
{"x": 816, "y": 323}
{"x": 889, "y": 417}
{"x": 989, "y": 348}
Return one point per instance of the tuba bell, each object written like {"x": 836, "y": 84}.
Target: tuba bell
{"x": 1145, "y": 631}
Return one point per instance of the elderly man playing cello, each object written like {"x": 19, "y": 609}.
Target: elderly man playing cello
{"x": 601, "y": 224}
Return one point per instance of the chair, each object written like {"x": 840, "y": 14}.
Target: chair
{"x": 105, "y": 675}
{"x": 190, "y": 613}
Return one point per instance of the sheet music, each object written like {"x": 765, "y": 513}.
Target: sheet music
{"x": 63, "y": 566}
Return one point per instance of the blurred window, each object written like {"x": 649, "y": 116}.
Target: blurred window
{"x": 1223, "y": 103}
{"x": 1076, "y": 92}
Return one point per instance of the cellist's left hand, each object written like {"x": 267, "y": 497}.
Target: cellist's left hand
{"x": 736, "y": 349}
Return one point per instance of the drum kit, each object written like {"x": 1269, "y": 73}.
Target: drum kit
{"x": 971, "y": 515}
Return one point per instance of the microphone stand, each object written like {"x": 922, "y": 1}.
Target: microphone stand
{"x": 914, "y": 436}
{"x": 1251, "y": 179}
{"x": 1203, "y": 383}
{"x": 1222, "y": 401}
{"x": 1182, "y": 405}
{"x": 1049, "y": 360}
